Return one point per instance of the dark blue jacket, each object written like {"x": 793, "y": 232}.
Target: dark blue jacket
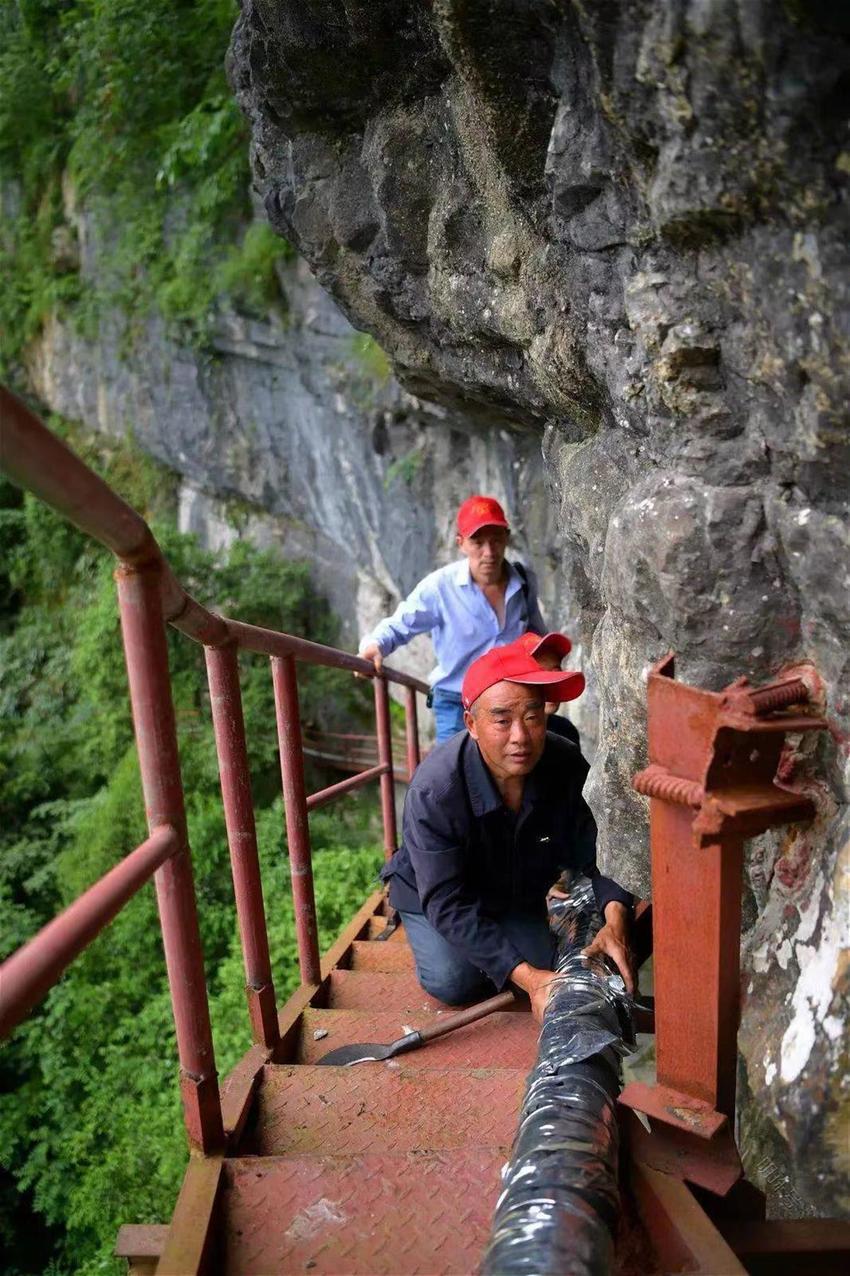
{"x": 466, "y": 860}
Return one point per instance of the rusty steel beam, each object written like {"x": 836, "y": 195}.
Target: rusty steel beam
{"x": 27, "y": 975}
{"x": 324, "y": 796}
{"x": 159, "y": 762}
{"x": 191, "y": 1245}
{"x": 297, "y": 824}
{"x": 713, "y": 761}
{"x": 229, "y": 728}
{"x": 411, "y": 731}
{"x": 681, "y": 1233}
{"x": 385, "y": 757}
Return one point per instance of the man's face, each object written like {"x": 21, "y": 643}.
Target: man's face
{"x": 485, "y": 550}
{"x": 508, "y": 723}
{"x": 550, "y": 661}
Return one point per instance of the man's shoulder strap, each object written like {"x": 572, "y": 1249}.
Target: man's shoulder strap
{"x": 522, "y": 571}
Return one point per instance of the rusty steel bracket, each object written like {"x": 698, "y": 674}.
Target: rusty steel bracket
{"x": 714, "y": 758}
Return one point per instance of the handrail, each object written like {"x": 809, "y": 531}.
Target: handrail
{"x": 149, "y": 595}
{"x": 30, "y": 972}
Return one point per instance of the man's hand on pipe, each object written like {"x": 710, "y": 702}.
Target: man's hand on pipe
{"x": 613, "y": 939}
{"x": 373, "y": 653}
{"x": 537, "y": 983}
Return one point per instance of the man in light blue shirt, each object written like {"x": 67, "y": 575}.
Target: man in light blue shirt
{"x": 479, "y": 602}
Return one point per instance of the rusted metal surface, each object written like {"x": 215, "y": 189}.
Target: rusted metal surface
{"x": 191, "y": 1245}
{"x": 398, "y": 1108}
{"x": 27, "y": 975}
{"x": 682, "y": 1235}
{"x": 387, "y": 957}
{"x": 714, "y": 758}
{"x": 501, "y": 1040}
{"x": 385, "y": 755}
{"x": 713, "y": 1164}
{"x": 677, "y": 1109}
{"x": 297, "y": 825}
{"x": 324, "y": 796}
{"x": 156, "y": 741}
{"x": 141, "y": 1245}
{"x": 229, "y": 727}
{"x": 411, "y": 730}
{"x": 365, "y": 989}
{"x": 379, "y": 1214}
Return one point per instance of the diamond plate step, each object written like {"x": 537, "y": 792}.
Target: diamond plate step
{"x": 413, "y": 1214}
{"x": 392, "y": 958}
{"x": 400, "y": 993}
{"x": 302, "y": 1109}
{"x": 377, "y": 926}
{"x": 499, "y": 1041}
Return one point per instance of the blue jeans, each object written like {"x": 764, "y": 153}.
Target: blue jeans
{"x": 448, "y": 713}
{"x": 446, "y": 974}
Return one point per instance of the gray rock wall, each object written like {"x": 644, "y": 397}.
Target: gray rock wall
{"x": 624, "y": 226}
{"x": 293, "y": 432}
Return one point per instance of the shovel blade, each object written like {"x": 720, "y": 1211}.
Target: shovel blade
{"x": 343, "y": 1056}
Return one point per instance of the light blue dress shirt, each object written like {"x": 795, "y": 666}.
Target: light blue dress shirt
{"x": 452, "y": 608}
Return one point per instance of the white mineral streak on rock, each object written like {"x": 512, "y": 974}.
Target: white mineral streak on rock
{"x": 819, "y": 972}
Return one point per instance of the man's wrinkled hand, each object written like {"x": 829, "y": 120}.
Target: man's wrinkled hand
{"x": 373, "y": 653}
{"x": 537, "y": 983}
{"x": 613, "y": 940}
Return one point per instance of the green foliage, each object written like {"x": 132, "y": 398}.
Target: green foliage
{"x": 90, "y": 1123}
{"x": 123, "y": 108}
{"x": 405, "y": 467}
{"x": 371, "y": 358}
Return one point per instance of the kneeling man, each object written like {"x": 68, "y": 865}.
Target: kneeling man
{"x": 491, "y": 818}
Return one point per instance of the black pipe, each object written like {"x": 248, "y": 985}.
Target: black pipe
{"x": 559, "y": 1204}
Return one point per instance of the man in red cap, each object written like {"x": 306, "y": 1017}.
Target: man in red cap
{"x": 479, "y": 602}
{"x": 491, "y": 818}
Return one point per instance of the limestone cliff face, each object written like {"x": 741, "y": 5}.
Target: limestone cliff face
{"x": 623, "y": 226}
{"x": 294, "y": 433}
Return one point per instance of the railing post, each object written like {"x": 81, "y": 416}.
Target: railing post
{"x": 385, "y": 758}
{"x": 229, "y": 727}
{"x": 411, "y": 728}
{"x": 146, "y": 653}
{"x": 297, "y": 824}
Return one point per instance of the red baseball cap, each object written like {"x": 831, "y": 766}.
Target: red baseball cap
{"x": 558, "y": 644}
{"x": 512, "y": 664}
{"x": 477, "y": 512}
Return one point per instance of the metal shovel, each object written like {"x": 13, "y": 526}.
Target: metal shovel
{"x": 346, "y": 1055}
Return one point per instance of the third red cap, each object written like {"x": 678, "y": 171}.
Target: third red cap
{"x": 477, "y": 512}
{"x": 558, "y": 644}
{"x": 512, "y": 664}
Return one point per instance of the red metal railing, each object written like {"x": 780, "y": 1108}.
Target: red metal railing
{"x": 150, "y": 596}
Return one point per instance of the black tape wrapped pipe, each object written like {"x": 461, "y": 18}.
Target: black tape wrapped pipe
{"x": 558, "y": 1209}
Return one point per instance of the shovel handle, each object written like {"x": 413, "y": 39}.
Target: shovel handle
{"x": 448, "y": 1023}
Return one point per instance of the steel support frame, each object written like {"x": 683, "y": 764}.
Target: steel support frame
{"x": 297, "y": 821}
{"x": 411, "y": 729}
{"x": 714, "y": 758}
{"x": 229, "y": 728}
{"x": 385, "y": 759}
{"x": 146, "y": 653}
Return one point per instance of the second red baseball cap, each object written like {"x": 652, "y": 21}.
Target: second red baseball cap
{"x": 512, "y": 664}
{"x": 558, "y": 644}
{"x": 480, "y": 511}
